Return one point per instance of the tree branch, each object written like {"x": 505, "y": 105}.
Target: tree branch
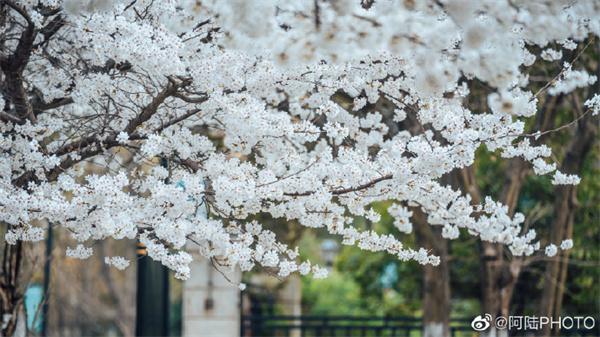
{"x": 345, "y": 190}
{"x": 86, "y": 145}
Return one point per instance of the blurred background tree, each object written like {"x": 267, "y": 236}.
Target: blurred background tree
{"x": 499, "y": 283}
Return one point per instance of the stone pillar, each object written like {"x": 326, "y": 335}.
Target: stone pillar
{"x": 291, "y": 296}
{"x": 211, "y": 304}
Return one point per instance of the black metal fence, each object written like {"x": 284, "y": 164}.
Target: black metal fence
{"x": 330, "y": 326}
{"x": 258, "y": 319}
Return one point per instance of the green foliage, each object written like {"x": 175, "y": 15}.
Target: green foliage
{"x": 355, "y": 287}
{"x": 464, "y": 281}
{"x": 337, "y": 294}
{"x": 489, "y": 167}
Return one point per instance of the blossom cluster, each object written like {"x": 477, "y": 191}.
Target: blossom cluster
{"x": 202, "y": 117}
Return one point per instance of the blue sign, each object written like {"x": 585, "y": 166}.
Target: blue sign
{"x": 33, "y": 300}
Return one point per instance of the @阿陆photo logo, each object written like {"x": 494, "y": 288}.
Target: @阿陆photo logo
{"x": 533, "y": 323}
{"x": 481, "y": 323}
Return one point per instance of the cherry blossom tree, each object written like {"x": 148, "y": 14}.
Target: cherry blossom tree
{"x": 236, "y": 99}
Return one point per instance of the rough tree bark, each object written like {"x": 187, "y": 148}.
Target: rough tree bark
{"x": 12, "y": 295}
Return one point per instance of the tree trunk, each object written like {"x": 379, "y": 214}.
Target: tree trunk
{"x": 498, "y": 279}
{"x": 436, "y": 279}
{"x": 497, "y": 276}
{"x": 12, "y": 297}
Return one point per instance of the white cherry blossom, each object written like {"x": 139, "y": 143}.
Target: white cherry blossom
{"x": 237, "y": 109}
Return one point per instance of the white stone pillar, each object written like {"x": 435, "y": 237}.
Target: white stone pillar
{"x": 211, "y": 304}
{"x": 291, "y": 295}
